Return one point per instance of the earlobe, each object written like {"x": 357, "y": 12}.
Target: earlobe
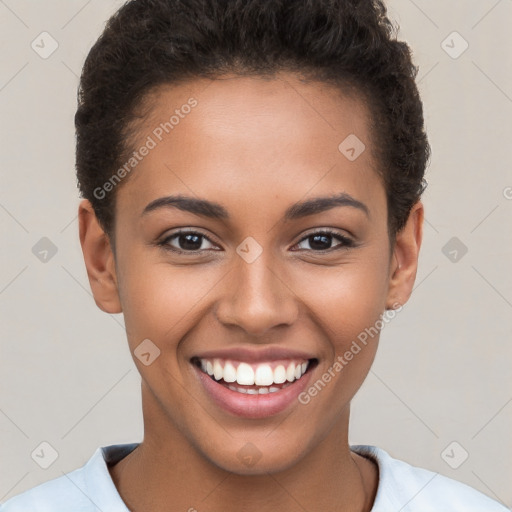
{"x": 99, "y": 260}
{"x": 404, "y": 263}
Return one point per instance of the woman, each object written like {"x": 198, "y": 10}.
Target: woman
{"x": 251, "y": 173}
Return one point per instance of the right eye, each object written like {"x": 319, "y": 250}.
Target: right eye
{"x": 186, "y": 242}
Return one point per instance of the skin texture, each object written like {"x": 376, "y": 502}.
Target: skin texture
{"x": 256, "y": 146}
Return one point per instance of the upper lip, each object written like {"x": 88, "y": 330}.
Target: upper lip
{"x": 255, "y": 355}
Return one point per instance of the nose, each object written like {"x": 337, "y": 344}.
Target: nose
{"x": 257, "y": 298}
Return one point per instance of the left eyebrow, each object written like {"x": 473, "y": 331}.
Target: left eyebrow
{"x": 215, "y": 210}
{"x": 321, "y": 204}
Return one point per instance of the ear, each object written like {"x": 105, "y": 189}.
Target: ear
{"x": 99, "y": 260}
{"x": 404, "y": 262}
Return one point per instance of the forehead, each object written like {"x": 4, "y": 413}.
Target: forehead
{"x": 242, "y": 139}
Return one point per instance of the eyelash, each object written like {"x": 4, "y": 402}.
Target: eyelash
{"x": 345, "y": 241}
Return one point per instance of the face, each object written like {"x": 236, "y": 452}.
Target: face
{"x": 263, "y": 276}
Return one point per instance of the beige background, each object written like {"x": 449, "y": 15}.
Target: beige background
{"x": 442, "y": 374}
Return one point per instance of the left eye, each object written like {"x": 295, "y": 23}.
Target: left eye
{"x": 320, "y": 239}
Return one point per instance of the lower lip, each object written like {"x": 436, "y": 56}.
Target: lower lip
{"x": 253, "y": 406}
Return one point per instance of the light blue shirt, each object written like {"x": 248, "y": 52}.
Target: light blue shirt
{"x": 402, "y": 487}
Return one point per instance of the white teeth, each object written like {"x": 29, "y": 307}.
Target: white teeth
{"x": 264, "y": 375}
{"x": 290, "y": 372}
{"x": 257, "y": 374}
{"x": 261, "y": 391}
{"x": 217, "y": 369}
{"x": 245, "y": 374}
{"x": 279, "y": 374}
{"x": 229, "y": 373}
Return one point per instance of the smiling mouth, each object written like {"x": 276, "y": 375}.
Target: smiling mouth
{"x": 253, "y": 379}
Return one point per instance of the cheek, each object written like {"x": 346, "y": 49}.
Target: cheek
{"x": 345, "y": 299}
{"x": 346, "y": 305}
{"x": 161, "y": 301}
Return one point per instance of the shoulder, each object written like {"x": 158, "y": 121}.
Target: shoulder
{"x": 409, "y": 488}
{"x": 85, "y": 489}
{"x": 53, "y": 496}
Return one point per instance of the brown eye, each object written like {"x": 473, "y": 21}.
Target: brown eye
{"x": 322, "y": 240}
{"x": 186, "y": 242}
